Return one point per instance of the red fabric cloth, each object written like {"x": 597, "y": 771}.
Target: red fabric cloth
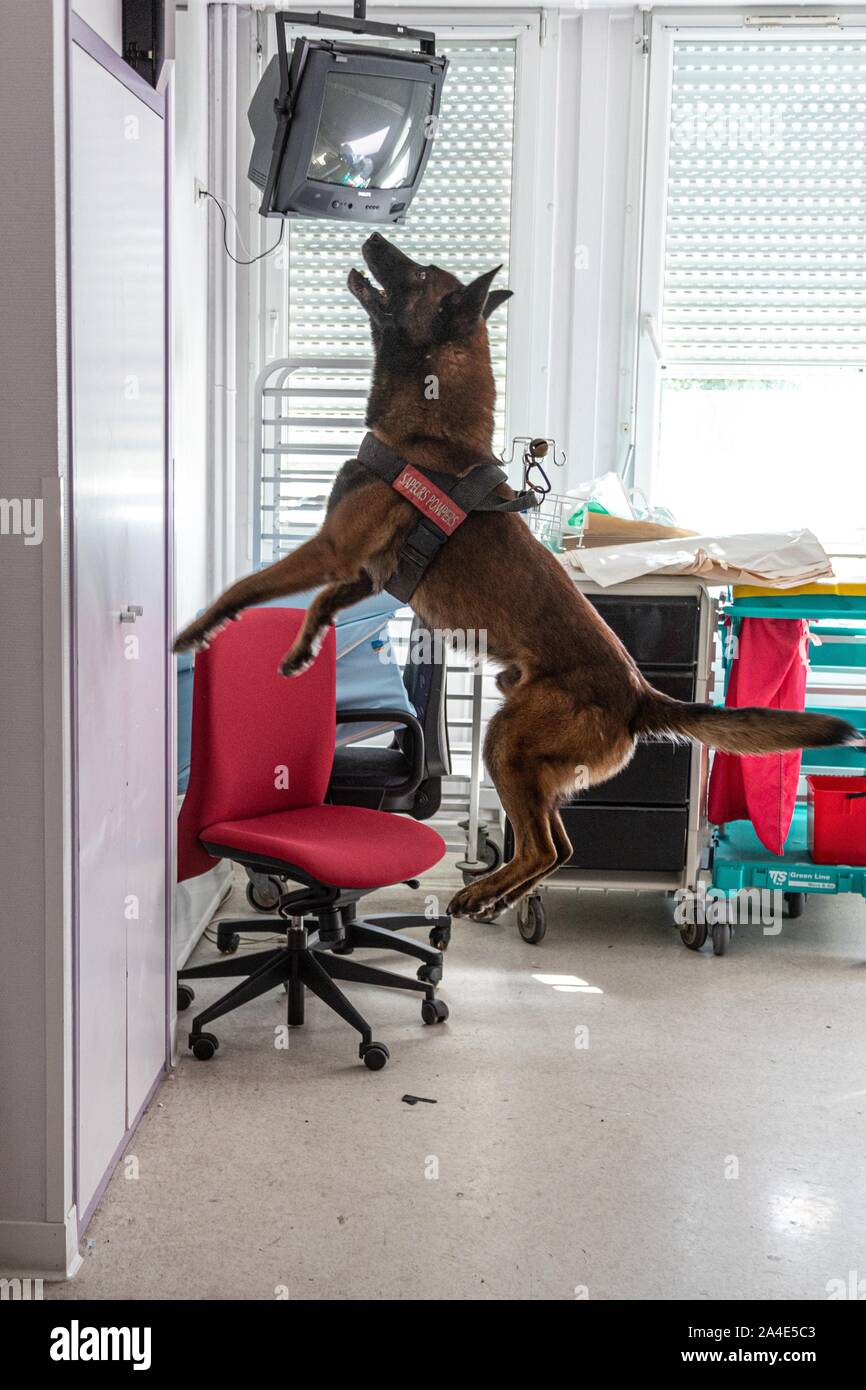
{"x": 261, "y": 758}
{"x": 769, "y": 670}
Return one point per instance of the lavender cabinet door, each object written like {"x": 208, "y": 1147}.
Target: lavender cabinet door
{"x": 120, "y": 640}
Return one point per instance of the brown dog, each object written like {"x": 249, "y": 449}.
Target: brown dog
{"x": 574, "y": 698}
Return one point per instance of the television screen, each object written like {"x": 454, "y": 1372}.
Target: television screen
{"x": 344, "y": 132}
{"x": 372, "y": 131}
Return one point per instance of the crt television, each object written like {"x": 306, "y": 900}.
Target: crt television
{"x": 343, "y": 131}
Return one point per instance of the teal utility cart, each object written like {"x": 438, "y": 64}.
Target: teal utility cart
{"x": 836, "y": 613}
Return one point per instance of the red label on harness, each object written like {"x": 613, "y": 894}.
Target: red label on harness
{"x": 428, "y": 499}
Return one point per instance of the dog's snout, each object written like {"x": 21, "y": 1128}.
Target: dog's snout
{"x": 376, "y": 242}
{"x": 386, "y": 259}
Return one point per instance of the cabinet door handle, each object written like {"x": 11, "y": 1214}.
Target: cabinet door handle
{"x": 131, "y": 612}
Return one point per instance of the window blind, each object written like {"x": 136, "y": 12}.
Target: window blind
{"x": 765, "y": 234}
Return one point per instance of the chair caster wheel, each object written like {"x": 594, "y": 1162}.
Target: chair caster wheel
{"x": 203, "y": 1045}
{"x": 227, "y": 942}
{"x": 264, "y": 895}
{"x": 374, "y": 1055}
{"x": 430, "y": 974}
{"x": 434, "y": 1011}
{"x": 345, "y": 948}
{"x": 721, "y": 938}
{"x": 185, "y": 996}
{"x": 440, "y": 938}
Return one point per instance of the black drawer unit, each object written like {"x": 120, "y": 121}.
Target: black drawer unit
{"x": 679, "y": 684}
{"x": 658, "y": 775}
{"x": 642, "y": 839}
{"x": 637, "y": 838}
{"x": 657, "y": 632}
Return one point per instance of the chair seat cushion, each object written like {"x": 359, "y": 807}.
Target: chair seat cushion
{"x": 343, "y": 846}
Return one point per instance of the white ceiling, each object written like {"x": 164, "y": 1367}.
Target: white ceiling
{"x": 566, "y": 6}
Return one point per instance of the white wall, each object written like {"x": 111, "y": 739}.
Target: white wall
{"x": 106, "y": 17}
{"x": 35, "y": 1172}
{"x": 190, "y": 314}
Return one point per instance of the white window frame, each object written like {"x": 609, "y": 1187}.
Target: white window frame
{"x": 530, "y": 257}
{"x": 666, "y": 26}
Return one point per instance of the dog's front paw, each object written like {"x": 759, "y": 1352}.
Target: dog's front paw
{"x": 193, "y": 639}
{"x": 300, "y": 658}
{"x": 295, "y": 663}
{"x": 197, "y": 636}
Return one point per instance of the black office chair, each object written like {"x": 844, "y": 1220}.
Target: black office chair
{"x": 405, "y": 777}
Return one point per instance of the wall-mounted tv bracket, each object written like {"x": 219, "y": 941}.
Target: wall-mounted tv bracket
{"x": 290, "y": 72}
{"x": 358, "y": 24}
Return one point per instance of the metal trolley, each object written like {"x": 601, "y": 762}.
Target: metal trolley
{"x": 646, "y": 829}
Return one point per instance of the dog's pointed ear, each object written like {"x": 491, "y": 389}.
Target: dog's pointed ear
{"x": 494, "y": 299}
{"x": 462, "y": 309}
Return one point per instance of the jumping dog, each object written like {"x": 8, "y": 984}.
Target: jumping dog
{"x": 574, "y": 702}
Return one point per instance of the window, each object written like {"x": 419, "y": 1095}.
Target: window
{"x": 461, "y": 217}
{"x": 752, "y": 376}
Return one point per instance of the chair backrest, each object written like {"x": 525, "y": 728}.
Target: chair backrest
{"x": 261, "y": 742}
{"x": 425, "y": 682}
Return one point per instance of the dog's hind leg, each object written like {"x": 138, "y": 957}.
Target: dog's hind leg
{"x": 320, "y": 613}
{"x": 564, "y": 850}
{"x": 563, "y": 844}
{"x": 531, "y": 778}
{"x": 612, "y": 750}
{"x": 528, "y": 799}
{"x": 538, "y": 748}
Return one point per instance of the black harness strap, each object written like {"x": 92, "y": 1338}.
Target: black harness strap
{"x": 444, "y": 502}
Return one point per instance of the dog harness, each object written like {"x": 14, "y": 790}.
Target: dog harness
{"x": 444, "y": 502}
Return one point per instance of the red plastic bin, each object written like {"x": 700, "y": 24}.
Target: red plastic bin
{"x": 837, "y": 819}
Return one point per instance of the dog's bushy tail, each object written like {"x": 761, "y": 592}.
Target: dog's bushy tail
{"x": 748, "y": 731}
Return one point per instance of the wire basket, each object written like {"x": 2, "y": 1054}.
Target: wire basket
{"x": 549, "y": 520}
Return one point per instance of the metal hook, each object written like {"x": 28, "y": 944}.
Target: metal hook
{"x": 537, "y": 446}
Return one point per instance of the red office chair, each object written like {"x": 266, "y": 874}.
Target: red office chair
{"x": 262, "y": 750}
